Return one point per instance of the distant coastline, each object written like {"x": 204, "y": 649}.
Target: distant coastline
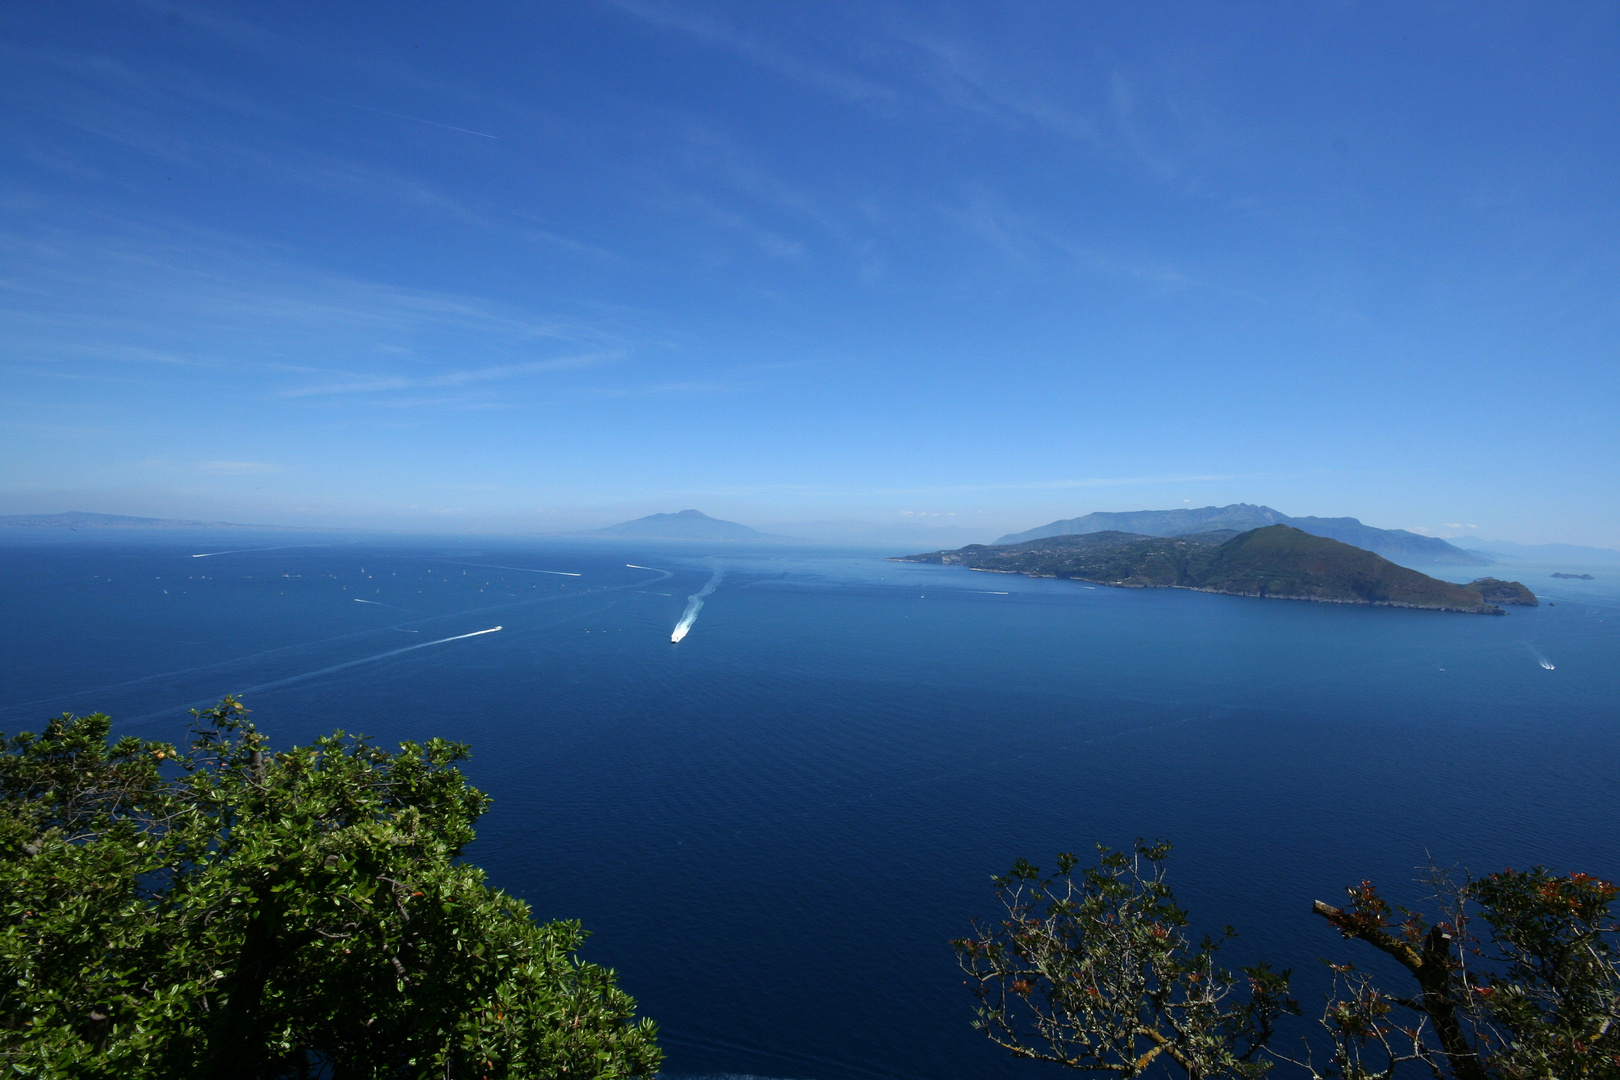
{"x": 77, "y": 519}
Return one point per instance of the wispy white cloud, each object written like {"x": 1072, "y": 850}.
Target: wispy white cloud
{"x": 459, "y": 377}
{"x": 668, "y": 388}
{"x": 237, "y": 467}
{"x": 922, "y": 70}
{"x": 413, "y": 119}
{"x": 1025, "y": 238}
{"x": 95, "y": 299}
{"x": 962, "y": 77}
{"x": 1125, "y": 110}
{"x": 766, "y": 240}
{"x": 850, "y": 87}
{"x": 1072, "y": 484}
{"x": 213, "y": 468}
{"x": 941, "y": 491}
{"x": 722, "y": 160}
{"x": 136, "y": 109}
{"x": 226, "y": 33}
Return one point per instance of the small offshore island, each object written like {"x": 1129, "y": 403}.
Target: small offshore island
{"x": 1277, "y": 562}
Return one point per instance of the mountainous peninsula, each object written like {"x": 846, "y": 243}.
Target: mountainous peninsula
{"x": 1277, "y": 561}
{"x": 1397, "y": 545}
{"x": 686, "y": 525}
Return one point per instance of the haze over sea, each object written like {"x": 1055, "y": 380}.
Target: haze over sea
{"x": 773, "y": 827}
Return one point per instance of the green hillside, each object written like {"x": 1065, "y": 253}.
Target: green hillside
{"x": 1278, "y": 561}
{"x": 1282, "y": 561}
{"x": 1497, "y": 591}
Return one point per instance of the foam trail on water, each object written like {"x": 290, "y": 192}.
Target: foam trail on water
{"x": 244, "y": 551}
{"x": 1541, "y": 657}
{"x": 363, "y": 660}
{"x": 280, "y": 650}
{"x": 378, "y": 603}
{"x": 519, "y": 569}
{"x": 694, "y": 604}
{"x": 329, "y": 670}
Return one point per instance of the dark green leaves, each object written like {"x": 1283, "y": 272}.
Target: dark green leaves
{"x": 232, "y": 911}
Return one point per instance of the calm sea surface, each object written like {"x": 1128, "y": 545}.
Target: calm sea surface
{"x": 774, "y": 827}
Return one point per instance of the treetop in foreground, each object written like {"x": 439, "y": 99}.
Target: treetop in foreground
{"x": 1094, "y": 970}
{"x": 227, "y": 910}
{"x": 1517, "y": 979}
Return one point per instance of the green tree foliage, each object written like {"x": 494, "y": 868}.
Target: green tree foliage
{"x": 1518, "y": 979}
{"x": 1094, "y": 971}
{"x": 226, "y": 910}
{"x": 1536, "y": 994}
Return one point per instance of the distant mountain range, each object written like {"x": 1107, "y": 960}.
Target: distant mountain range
{"x": 1397, "y": 545}
{"x": 75, "y": 519}
{"x": 1559, "y": 553}
{"x": 1277, "y": 561}
{"x": 686, "y": 525}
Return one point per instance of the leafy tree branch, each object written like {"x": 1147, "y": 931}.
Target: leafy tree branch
{"x": 1091, "y": 968}
{"x": 229, "y": 910}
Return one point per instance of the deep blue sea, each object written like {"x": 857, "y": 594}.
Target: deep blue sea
{"x": 773, "y": 827}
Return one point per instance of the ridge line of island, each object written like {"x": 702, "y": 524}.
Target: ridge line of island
{"x": 1277, "y": 562}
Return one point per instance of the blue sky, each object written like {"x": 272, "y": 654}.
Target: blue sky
{"x": 533, "y": 266}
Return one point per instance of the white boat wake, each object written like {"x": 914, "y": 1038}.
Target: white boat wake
{"x": 326, "y": 671}
{"x": 245, "y": 551}
{"x": 379, "y": 603}
{"x": 694, "y": 604}
{"x": 519, "y": 569}
{"x": 364, "y": 660}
